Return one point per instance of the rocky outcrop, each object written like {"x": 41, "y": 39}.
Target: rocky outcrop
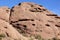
{"x": 4, "y": 13}
{"x": 29, "y": 19}
{"x": 7, "y": 31}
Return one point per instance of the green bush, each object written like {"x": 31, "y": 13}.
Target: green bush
{"x": 31, "y": 38}
{"x": 2, "y": 35}
{"x": 0, "y": 38}
{"x": 55, "y": 39}
{"x": 38, "y": 37}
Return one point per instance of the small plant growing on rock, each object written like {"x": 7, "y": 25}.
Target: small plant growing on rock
{"x": 2, "y": 36}
{"x": 38, "y": 37}
{"x": 55, "y": 39}
{"x": 31, "y": 37}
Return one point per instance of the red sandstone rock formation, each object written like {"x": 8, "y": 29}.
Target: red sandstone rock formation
{"x": 29, "y": 19}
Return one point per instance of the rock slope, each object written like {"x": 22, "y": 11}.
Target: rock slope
{"x": 29, "y": 20}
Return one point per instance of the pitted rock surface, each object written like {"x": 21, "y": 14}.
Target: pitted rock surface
{"x": 4, "y": 13}
{"x": 28, "y": 19}
{"x": 34, "y": 19}
{"x": 9, "y": 31}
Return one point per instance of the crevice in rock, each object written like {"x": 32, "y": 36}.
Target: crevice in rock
{"x": 25, "y": 20}
{"x": 7, "y": 34}
{"x": 51, "y": 15}
{"x": 57, "y": 17}
{"x": 21, "y": 20}
{"x": 39, "y": 8}
{"x": 36, "y": 10}
{"x": 24, "y": 26}
{"x": 11, "y": 10}
{"x": 47, "y": 25}
{"x": 44, "y": 9}
{"x": 57, "y": 25}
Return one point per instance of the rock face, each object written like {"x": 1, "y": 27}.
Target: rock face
{"x": 7, "y": 30}
{"x": 29, "y": 19}
{"x": 4, "y": 13}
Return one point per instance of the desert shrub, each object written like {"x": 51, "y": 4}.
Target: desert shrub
{"x": 38, "y": 37}
{"x": 31, "y": 39}
{"x": 55, "y": 39}
{"x": 2, "y": 36}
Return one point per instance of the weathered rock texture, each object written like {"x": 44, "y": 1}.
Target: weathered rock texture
{"x": 4, "y": 13}
{"x": 28, "y": 19}
{"x": 7, "y": 31}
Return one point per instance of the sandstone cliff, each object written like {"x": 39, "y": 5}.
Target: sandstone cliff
{"x": 28, "y": 21}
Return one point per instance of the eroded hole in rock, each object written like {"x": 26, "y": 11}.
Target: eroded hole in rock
{"x": 35, "y": 10}
{"x": 32, "y": 19}
{"x": 57, "y": 17}
{"x": 19, "y": 4}
{"x": 17, "y": 24}
{"x": 7, "y": 11}
{"x": 7, "y": 34}
{"x": 57, "y": 25}
{"x": 44, "y": 9}
{"x": 26, "y": 20}
{"x": 47, "y": 25}
{"x": 24, "y": 26}
{"x": 23, "y": 19}
{"x": 5, "y": 27}
{"x": 33, "y": 24}
{"x": 39, "y": 8}
{"x": 32, "y": 5}
{"x": 51, "y": 15}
